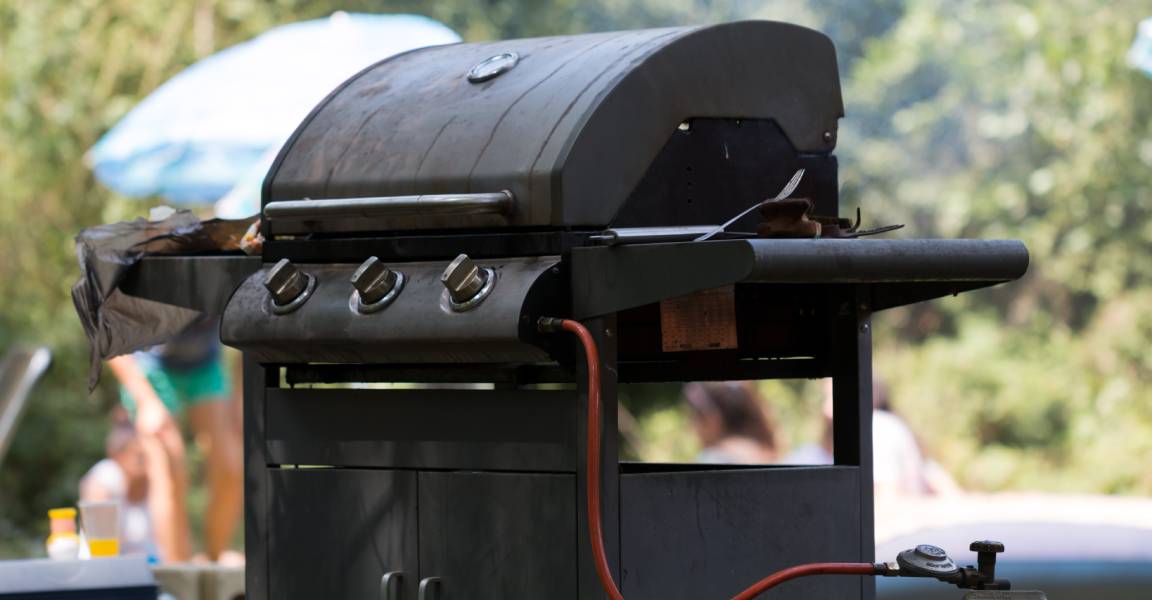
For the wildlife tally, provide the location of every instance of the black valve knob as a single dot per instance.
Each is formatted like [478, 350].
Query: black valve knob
[285, 282]
[374, 280]
[376, 285]
[467, 283]
[288, 287]
[463, 279]
[986, 546]
[986, 551]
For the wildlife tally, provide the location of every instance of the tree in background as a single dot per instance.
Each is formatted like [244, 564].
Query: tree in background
[1018, 119]
[982, 119]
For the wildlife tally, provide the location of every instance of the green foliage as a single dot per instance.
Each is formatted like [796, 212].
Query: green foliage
[1018, 119]
[981, 119]
[68, 71]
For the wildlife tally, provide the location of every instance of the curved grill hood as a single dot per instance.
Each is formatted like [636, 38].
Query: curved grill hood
[570, 130]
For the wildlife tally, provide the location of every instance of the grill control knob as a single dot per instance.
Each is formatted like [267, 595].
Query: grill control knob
[467, 284]
[288, 286]
[376, 285]
[285, 282]
[373, 280]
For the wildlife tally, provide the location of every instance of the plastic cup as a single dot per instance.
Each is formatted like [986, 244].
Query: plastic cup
[101, 522]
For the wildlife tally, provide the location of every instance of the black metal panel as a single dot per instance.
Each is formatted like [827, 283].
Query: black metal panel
[511, 374]
[498, 536]
[851, 332]
[712, 533]
[607, 279]
[334, 533]
[418, 326]
[569, 131]
[509, 430]
[256, 493]
[716, 168]
[701, 366]
[202, 283]
[615, 278]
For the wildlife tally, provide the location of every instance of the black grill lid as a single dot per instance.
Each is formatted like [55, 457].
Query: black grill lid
[569, 130]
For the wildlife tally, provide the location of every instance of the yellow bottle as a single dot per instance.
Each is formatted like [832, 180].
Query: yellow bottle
[63, 543]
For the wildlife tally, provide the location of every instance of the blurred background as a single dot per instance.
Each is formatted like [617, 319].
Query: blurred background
[998, 119]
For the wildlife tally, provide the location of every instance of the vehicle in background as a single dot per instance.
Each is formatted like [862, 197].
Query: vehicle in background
[1097, 547]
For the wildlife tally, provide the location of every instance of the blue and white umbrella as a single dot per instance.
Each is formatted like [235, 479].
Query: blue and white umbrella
[1140, 54]
[205, 130]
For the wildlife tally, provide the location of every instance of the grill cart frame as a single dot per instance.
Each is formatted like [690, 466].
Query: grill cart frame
[576, 181]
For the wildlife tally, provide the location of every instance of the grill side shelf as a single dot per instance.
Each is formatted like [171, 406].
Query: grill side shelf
[201, 283]
[899, 272]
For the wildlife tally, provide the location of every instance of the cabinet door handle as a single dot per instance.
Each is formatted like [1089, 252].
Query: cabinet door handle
[390, 585]
[429, 589]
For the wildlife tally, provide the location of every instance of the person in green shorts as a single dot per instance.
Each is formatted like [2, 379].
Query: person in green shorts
[185, 376]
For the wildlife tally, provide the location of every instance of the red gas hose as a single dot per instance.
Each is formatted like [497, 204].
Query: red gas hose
[595, 527]
[783, 575]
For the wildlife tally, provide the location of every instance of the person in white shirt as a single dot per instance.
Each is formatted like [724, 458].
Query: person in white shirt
[899, 465]
[122, 477]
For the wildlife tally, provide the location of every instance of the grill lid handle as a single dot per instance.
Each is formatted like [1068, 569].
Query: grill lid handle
[392, 206]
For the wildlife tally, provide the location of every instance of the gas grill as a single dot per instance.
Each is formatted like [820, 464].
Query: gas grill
[438, 219]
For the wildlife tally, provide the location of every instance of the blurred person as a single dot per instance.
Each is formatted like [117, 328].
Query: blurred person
[186, 376]
[899, 464]
[122, 476]
[732, 423]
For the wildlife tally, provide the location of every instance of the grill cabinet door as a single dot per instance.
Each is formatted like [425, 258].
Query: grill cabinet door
[334, 533]
[498, 536]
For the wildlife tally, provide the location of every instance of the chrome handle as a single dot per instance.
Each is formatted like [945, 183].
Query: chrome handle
[390, 585]
[392, 206]
[349, 215]
[429, 589]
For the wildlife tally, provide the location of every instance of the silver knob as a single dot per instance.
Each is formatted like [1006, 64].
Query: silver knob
[463, 279]
[374, 280]
[467, 284]
[285, 282]
[926, 561]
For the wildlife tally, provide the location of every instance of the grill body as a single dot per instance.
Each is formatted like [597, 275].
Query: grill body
[426, 447]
